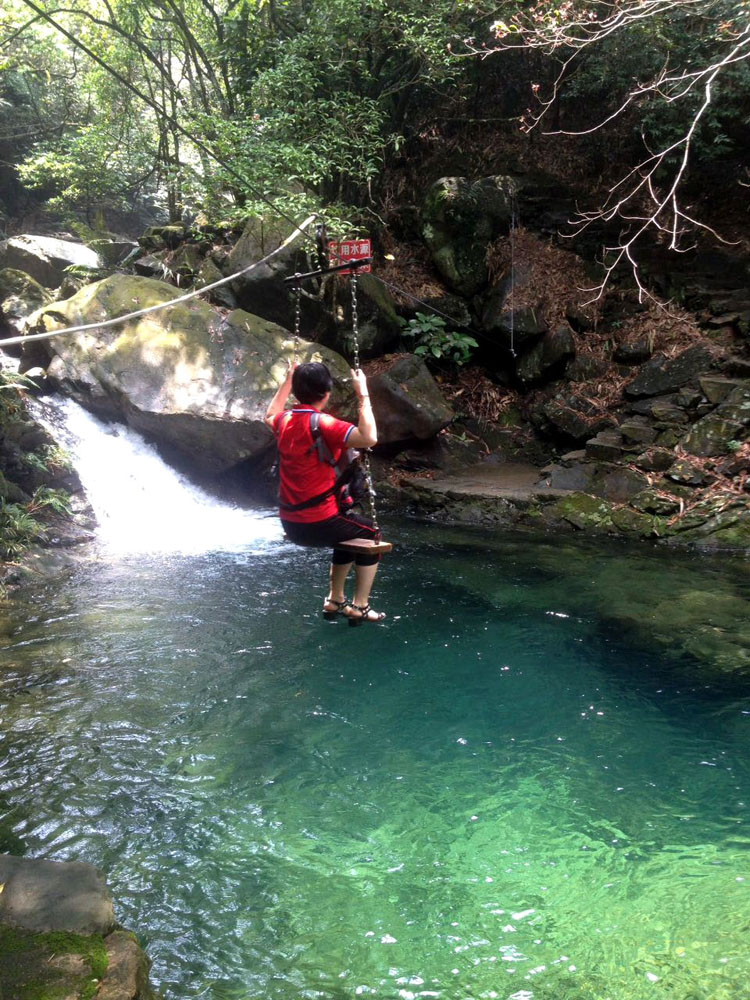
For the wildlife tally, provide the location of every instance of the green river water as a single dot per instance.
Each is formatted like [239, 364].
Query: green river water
[531, 783]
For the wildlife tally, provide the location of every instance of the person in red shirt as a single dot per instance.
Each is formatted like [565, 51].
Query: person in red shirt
[309, 507]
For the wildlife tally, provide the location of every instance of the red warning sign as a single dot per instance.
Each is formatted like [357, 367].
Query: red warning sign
[340, 253]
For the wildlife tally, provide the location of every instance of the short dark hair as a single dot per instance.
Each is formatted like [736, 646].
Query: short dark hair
[311, 382]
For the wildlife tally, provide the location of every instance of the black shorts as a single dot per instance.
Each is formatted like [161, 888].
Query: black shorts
[342, 527]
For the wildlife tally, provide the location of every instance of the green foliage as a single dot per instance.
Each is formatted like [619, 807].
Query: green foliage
[18, 530]
[97, 160]
[58, 501]
[28, 970]
[434, 341]
[87, 274]
[12, 386]
[303, 100]
[684, 38]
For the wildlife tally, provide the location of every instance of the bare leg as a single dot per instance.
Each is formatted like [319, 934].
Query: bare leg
[365, 577]
[338, 575]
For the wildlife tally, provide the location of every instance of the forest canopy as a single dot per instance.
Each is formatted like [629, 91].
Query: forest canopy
[220, 107]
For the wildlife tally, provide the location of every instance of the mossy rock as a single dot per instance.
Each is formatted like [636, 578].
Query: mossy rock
[186, 262]
[208, 274]
[651, 501]
[20, 296]
[408, 402]
[459, 219]
[728, 528]
[633, 522]
[187, 376]
[584, 512]
[712, 434]
[10, 492]
[53, 966]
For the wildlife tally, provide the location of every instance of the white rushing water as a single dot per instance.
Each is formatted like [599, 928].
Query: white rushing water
[142, 504]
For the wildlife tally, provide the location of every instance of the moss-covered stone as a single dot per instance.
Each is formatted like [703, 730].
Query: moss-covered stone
[584, 512]
[459, 220]
[208, 274]
[52, 966]
[711, 435]
[663, 375]
[651, 501]
[633, 522]
[655, 460]
[716, 528]
[734, 534]
[186, 262]
[20, 296]
[189, 377]
[10, 492]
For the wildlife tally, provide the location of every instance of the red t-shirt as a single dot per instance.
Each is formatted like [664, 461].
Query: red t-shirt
[302, 473]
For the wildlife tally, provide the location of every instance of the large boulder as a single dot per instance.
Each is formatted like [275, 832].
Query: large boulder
[460, 218]
[548, 354]
[662, 375]
[714, 434]
[195, 381]
[20, 296]
[262, 291]
[113, 252]
[378, 323]
[407, 402]
[514, 329]
[45, 258]
[43, 895]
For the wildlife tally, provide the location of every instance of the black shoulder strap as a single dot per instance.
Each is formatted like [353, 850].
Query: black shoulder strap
[342, 468]
[319, 442]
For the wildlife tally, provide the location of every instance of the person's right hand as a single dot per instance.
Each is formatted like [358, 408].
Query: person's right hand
[359, 382]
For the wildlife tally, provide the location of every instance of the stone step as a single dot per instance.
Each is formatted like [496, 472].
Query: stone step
[607, 446]
[54, 896]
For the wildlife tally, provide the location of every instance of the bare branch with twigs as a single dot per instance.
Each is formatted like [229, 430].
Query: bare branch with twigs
[647, 198]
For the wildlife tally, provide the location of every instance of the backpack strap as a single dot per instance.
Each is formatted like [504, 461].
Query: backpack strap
[324, 452]
[342, 468]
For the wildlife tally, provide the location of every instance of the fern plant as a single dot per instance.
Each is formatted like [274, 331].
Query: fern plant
[18, 529]
[57, 501]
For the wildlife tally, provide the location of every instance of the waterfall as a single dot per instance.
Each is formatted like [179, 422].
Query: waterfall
[141, 504]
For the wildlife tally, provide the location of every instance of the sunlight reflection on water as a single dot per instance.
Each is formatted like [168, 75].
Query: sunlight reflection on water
[494, 794]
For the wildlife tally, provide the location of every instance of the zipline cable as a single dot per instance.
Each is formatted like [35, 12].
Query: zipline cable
[162, 305]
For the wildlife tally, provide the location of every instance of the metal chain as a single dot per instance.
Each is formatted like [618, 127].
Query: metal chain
[513, 210]
[355, 320]
[297, 318]
[366, 451]
[370, 489]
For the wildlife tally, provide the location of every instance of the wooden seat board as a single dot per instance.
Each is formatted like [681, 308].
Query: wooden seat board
[364, 545]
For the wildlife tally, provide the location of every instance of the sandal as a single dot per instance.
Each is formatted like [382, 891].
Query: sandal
[341, 607]
[363, 614]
